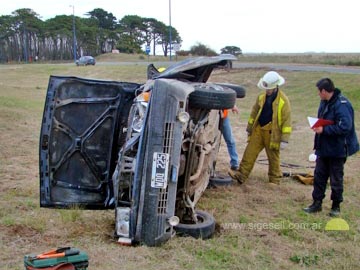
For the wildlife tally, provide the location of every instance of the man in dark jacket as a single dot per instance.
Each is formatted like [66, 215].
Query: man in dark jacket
[332, 144]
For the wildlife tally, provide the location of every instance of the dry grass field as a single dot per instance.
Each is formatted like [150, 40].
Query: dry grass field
[258, 226]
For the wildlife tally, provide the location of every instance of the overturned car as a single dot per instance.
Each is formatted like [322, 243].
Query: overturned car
[145, 150]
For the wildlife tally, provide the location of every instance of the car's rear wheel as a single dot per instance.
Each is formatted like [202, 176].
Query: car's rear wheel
[212, 97]
[239, 90]
[204, 229]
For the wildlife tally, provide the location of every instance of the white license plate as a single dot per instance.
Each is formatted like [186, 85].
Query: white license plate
[160, 167]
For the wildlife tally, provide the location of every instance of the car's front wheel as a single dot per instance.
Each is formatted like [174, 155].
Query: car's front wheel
[213, 97]
[204, 228]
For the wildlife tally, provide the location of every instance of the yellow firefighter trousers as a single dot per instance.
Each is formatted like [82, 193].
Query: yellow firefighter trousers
[260, 139]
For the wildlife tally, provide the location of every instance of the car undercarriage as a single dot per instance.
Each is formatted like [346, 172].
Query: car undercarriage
[145, 150]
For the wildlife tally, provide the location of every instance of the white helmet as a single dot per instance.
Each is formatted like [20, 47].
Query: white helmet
[270, 80]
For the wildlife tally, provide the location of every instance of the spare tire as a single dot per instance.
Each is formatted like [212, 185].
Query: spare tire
[212, 96]
[204, 229]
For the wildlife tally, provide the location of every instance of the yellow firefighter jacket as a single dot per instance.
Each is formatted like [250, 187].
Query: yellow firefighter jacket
[281, 118]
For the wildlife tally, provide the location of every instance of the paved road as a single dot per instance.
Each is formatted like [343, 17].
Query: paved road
[278, 66]
[238, 64]
[299, 67]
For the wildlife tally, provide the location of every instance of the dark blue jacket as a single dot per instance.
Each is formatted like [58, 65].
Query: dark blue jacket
[339, 139]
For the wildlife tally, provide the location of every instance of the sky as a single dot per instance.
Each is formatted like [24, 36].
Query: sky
[255, 26]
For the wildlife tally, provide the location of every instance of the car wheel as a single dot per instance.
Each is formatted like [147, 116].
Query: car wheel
[212, 97]
[204, 229]
[239, 90]
[220, 180]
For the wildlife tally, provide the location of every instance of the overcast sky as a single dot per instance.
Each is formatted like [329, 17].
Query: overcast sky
[269, 26]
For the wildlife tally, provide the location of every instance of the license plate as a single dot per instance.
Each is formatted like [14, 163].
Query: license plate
[160, 166]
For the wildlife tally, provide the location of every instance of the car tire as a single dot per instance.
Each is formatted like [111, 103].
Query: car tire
[204, 229]
[212, 97]
[220, 180]
[239, 90]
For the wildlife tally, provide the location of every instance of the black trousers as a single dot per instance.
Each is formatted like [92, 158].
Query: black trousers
[329, 167]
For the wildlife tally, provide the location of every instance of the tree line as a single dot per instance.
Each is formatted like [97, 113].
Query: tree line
[25, 37]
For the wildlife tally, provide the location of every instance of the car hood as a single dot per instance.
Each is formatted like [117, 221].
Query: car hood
[82, 128]
[194, 69]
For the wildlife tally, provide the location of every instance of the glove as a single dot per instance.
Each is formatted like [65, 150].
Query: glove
[283, 145]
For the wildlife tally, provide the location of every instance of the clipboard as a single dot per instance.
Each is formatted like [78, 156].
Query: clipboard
[319, 122]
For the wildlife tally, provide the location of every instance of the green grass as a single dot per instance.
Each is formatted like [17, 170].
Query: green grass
[269, 229]
[12, 102]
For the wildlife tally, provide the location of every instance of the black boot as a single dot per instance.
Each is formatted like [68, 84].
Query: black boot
[335, 209]
[315, 207]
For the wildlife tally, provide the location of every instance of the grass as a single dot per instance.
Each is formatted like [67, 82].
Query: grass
[258, 227]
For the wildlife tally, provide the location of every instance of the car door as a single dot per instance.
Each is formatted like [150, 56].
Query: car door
[83, 126]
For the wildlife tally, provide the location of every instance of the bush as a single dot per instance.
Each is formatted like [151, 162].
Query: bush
[183, 53]
[202, 50]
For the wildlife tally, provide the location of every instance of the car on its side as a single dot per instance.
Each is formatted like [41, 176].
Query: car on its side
[85, 61]
[145, 150]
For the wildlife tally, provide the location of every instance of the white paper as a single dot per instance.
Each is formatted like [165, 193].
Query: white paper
[312, 120]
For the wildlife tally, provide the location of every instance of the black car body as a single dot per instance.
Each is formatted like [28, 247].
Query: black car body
[145, 150]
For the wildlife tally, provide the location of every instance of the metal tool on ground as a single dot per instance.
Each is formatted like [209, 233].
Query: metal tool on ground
[304, 178]
[57, 253]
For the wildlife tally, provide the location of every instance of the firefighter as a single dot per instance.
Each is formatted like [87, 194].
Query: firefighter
[269, 127]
